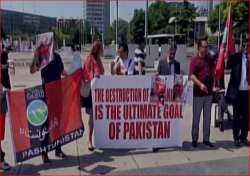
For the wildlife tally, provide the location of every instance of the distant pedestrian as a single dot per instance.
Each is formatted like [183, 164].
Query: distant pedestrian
[139, 58]
[159, 50]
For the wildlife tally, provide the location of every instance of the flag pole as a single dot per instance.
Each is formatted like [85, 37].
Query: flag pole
[219, 27]
[229, 13]
[146, 24]
[116, 25]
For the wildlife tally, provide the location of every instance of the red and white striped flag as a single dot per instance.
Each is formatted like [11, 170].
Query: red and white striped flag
[227, 47]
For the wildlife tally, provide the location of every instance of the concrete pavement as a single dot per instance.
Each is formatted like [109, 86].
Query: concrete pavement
[224, 158]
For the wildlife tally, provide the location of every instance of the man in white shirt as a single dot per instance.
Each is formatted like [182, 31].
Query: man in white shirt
[238, 94]
[122, 64]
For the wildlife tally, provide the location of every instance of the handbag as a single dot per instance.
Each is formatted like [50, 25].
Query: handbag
[85, 89]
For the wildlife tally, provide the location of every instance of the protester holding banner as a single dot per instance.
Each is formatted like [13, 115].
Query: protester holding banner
[43, 49]
[51, 72]
[201, 73]
[238, 94]
[4, 84]
[92, 68]
[169, 65]
[123, 65]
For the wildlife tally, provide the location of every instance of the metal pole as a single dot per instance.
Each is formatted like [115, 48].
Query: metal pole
[146, 24]
[175, 27]
[219, 28]
[116, 27]
[83, 11]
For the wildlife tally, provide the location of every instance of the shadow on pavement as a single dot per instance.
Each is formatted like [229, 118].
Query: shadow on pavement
[227, 145]
[80, 162]
[106, 156]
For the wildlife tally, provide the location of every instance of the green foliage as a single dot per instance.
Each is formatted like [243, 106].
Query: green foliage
[122, 31]
[240, 18]
[159, 14]
[158, 19]
[137, 25]
[60, 36]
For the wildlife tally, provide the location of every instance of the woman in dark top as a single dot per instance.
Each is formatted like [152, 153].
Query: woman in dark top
[5, 69]
[5, 81]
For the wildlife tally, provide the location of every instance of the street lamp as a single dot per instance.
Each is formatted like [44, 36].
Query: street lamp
[170, 21]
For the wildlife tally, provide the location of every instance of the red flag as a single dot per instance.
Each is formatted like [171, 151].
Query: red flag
[227, 47]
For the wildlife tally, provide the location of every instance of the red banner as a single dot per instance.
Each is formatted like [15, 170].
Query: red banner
[45, 117]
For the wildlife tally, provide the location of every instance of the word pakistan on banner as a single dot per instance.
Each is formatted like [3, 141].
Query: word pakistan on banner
[140, 111]
[45, 117]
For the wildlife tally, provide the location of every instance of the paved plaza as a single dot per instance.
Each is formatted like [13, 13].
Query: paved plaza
[224, 158]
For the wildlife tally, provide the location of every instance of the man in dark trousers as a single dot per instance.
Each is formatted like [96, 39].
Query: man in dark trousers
[169, 65]
[238, 95]
[52, 72]
[201, 73]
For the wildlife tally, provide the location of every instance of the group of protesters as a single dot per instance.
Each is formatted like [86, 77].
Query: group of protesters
[206, 87]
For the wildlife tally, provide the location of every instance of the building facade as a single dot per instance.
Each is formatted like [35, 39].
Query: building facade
[97, 13]
[14, 22]
[204, 7]
[69, 22]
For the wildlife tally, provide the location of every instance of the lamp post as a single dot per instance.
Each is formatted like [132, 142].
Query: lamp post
[116, 25]
[146, 24]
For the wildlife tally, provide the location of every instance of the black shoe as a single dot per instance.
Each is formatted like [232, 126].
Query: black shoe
[245, 142]
[236, 143]
[45, 158]
[60, 154]
[91, 149]
[2, 156]
[194, 144]
[207, 143]
[155, 150]
[229, 116]
[221, 126]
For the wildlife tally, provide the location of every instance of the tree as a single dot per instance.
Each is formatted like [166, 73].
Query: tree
[137, 25]
[158, 17]
[60, 36]
[87, 32]
[122, 32]
[185, 18]
[240, 18]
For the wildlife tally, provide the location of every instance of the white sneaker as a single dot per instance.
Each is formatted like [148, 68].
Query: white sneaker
[5, 166]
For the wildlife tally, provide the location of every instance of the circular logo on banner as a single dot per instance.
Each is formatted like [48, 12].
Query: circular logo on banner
[37, 112]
